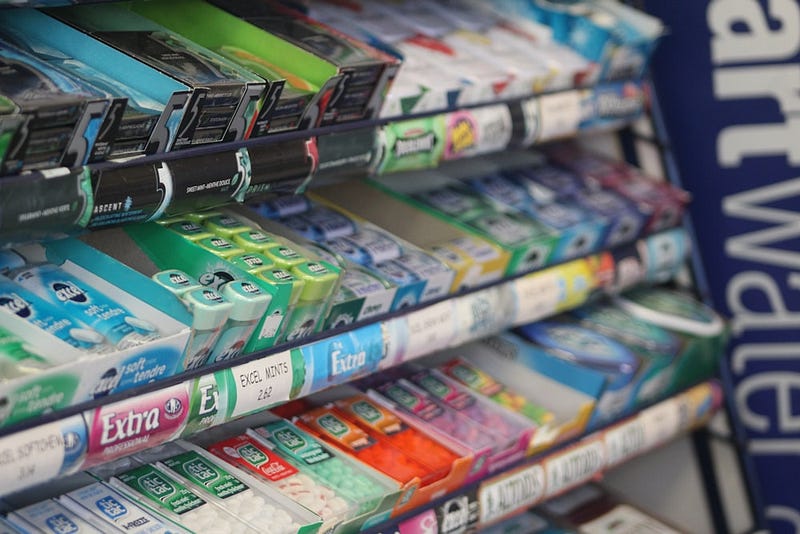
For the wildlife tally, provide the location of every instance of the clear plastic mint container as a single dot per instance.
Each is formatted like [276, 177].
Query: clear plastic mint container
[115, 510]
[248, 500]
[256, 456]
[349, 478]
[153, 487]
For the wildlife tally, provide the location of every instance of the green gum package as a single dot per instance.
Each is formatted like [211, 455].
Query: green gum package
[411, 144]
[169, 250]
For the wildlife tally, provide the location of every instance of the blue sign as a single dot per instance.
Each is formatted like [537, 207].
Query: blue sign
[728, 79]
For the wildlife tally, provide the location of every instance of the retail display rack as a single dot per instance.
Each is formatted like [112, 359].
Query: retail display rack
[41, 204]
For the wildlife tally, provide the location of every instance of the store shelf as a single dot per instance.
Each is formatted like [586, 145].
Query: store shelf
[148, 187]
[537, 478]
[40, 205]
[36, 450]
[553, 473]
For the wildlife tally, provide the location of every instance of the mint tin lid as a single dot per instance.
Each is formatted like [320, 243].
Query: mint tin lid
[583, 346]
[225, 225]
[283, 256]
[507, 229]
[161, 489]
[284, 206]
[209, 477]
[319, 280]
[672, 310]
[253, 240]
[547, 183]
[209, 309]
[452, 201]
[326, 254]
[502, 190]
[615, 322]
[220, 246]
[300, 446]
[249, 301]
[178, 282]
[50, 516]
[190, 230]
[281, 277]
[362, 282]
[201, 216]
[252, 261]
[396, 273]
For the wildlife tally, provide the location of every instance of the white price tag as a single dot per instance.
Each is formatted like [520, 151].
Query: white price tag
[538, 296]
[430, 329]
[574, 466]
[481, 314]
[511, 493]
[662, 423]
[559, 114]
[395, 332]
[625, 441]
[530, 114]
[494, 129]
[31, 456]
[262, 383]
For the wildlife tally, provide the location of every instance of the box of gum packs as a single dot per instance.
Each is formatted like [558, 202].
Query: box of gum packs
[51, 113]
[145, 107]
[292, 102]
[474, 260]
[224, 96]
[373, 257]
[365, 73]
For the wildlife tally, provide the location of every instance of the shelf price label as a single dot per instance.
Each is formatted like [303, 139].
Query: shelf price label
[531, 120]
[559, 115]
[625, 441]
[483, 313]
[262, 383]
[511, 493]
[574, 466]
[41, 453]
[538, 295]
[661, 423]
[430, 329]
